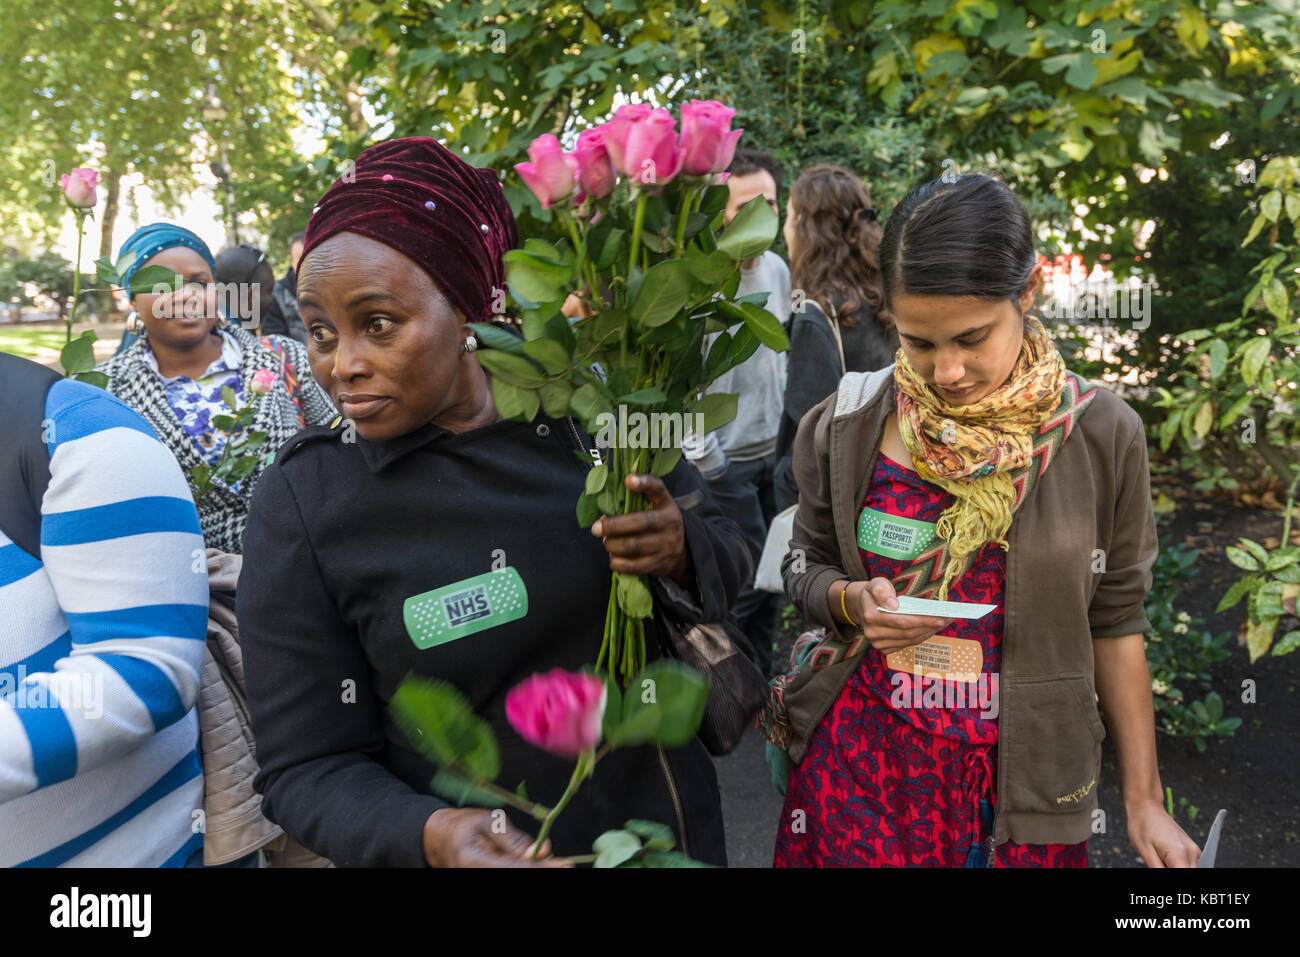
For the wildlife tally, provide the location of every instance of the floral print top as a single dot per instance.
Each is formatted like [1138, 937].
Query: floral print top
[196, 401]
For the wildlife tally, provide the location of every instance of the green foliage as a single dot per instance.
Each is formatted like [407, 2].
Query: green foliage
[49, 273]
[641, 844]
[442, 726]
[1180, 653]
[239, 455]
[663, 704]
[1234, 398]
[130, 79]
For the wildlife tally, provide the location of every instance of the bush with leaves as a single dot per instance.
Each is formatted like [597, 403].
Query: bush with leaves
[1180, 653]
[1237, 392]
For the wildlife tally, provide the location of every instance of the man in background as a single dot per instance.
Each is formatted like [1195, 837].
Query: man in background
[736, 461]
[286, 291]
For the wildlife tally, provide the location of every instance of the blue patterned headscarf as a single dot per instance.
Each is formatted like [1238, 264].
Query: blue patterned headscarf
[148, 241]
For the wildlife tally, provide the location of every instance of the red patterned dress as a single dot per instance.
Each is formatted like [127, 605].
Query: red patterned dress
[901, 774]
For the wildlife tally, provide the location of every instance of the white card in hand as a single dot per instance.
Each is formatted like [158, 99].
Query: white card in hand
[939, 609]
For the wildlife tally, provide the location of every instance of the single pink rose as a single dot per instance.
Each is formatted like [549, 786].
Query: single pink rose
[263, 381]
[614, 133]
[560, 711]
[708, 142]
[596, 175]
[79, 187]
[551, 174]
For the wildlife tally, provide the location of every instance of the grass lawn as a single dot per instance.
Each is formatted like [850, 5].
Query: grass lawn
[22, 341]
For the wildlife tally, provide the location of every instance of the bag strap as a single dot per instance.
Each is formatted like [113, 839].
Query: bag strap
[290, 374]
[834, 321]
[24, 455]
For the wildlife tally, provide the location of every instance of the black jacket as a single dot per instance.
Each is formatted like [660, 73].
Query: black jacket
[283, 318]
[341, 533]
[813, 373]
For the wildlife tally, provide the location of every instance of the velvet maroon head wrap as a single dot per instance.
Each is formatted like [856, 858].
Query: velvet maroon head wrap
[423, 200]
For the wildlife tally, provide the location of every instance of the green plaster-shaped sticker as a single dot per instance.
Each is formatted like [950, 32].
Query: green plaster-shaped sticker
[892, 535]
[465, 607]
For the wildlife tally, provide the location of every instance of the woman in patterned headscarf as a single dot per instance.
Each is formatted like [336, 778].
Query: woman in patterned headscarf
[424, 534]
[173, 375]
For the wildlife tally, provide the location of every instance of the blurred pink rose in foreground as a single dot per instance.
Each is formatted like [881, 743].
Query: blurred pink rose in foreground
[79, 187]
[550, 175]
[559, 711]
[708, 142]
[263, 381]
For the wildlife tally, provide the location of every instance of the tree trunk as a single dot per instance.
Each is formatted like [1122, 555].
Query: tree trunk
[104, 300]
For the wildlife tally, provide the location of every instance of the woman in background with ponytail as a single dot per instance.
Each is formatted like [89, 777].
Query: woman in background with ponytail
[839, 323]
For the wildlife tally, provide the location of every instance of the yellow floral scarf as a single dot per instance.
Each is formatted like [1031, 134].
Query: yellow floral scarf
[971, 451]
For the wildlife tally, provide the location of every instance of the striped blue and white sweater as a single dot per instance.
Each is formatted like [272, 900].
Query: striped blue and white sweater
[101, 650]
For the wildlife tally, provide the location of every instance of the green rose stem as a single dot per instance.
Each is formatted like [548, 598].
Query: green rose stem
[687, 208]
[531, 808]
[76, 276]
[580, 250]
[581, 771]
[637, 223]
[1290, 503]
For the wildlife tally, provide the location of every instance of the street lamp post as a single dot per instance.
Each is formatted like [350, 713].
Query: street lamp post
[214, 111]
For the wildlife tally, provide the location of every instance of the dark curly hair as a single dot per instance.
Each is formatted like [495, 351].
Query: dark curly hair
[836, 254]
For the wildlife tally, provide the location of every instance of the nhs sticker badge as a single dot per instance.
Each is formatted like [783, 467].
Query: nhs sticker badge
[465, 607]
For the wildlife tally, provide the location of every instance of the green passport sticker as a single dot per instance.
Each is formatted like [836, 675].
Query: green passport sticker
[892, 535]
[465, 607]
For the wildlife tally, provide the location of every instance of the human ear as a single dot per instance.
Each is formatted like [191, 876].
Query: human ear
[1030, 291]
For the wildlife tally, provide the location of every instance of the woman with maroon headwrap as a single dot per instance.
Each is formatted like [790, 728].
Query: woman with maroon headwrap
[422, 488]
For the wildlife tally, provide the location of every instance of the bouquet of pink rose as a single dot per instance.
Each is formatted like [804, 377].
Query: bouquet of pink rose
[655, 273]
[567, 714]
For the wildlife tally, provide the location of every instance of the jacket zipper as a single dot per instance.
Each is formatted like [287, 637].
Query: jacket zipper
[1008, 620]
[677, 804]
[592, 454]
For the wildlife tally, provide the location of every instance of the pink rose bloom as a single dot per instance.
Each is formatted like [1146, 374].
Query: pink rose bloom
[614, 133]
[708, 142]
[596, 176]
[644, 143]
[559, 711]
[263, 382]
[550, 175]
[79, 187]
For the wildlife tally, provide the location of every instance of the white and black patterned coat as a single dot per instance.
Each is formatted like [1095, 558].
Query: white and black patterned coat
[222, 512]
